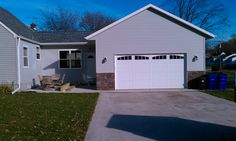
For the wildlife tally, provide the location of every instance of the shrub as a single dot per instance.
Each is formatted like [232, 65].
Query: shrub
[215, 67]
[5, 89]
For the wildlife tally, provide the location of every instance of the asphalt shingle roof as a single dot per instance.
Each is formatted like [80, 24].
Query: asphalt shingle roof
[15, 24]
[55, 37]
[21, 29]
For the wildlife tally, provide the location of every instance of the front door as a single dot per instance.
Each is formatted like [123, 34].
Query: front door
[91, 67]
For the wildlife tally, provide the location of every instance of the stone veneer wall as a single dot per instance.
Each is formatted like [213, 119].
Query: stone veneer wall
[105, 81]
[195, 74]
[193, 82]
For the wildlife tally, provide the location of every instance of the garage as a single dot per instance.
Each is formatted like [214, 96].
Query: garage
[149, 71]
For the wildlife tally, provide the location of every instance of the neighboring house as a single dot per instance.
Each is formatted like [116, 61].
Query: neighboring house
[147, 49]
[229, 61]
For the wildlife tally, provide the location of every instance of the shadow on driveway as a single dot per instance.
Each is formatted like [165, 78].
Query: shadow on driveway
[172, 128]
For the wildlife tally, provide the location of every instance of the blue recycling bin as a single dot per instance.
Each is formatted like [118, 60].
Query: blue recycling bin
[222, 81]
[212, 78]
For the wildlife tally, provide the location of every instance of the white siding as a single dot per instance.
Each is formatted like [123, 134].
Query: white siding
[8, 59]
[30, 73]
[148, 33]
[49, 63]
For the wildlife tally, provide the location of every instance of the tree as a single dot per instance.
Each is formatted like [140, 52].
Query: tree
[60, 20]
[93, 21]
[233, 36]
[207, 14]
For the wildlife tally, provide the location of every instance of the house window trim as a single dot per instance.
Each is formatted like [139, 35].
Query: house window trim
[38, 53]
[23, 56]
[70, 50]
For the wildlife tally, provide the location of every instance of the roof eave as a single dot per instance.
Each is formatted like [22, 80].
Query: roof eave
[63, 43]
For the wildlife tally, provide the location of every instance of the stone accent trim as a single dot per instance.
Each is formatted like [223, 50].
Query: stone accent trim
[105, 81]
[195, 74]
[193, 81]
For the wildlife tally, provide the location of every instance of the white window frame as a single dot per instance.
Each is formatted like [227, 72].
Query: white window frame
[38, 52]
[23, 56]
[70, 50]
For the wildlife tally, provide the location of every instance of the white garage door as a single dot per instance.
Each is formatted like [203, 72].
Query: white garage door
[149, 71]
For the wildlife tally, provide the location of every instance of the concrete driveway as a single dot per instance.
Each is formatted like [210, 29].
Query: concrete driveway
[181, 115]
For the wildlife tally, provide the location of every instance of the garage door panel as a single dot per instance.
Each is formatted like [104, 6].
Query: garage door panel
[149, 71]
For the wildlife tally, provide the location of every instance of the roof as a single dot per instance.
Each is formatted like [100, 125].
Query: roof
[157, 9]
[17, 27]
[61, 37]
[15, 24]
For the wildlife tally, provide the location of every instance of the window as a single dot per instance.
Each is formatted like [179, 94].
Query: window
[25, 57]
[70, 59]
[125, 58]
[37, 53]
[141, 58]
[176, 57]
[160, 57]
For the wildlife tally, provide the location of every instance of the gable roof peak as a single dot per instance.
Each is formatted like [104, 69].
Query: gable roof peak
[203, 31]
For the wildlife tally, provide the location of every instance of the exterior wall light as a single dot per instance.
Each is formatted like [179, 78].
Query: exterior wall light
[104, 60]
[195, 58]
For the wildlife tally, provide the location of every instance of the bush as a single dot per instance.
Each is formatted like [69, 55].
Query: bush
[5, 89]
[215, 67]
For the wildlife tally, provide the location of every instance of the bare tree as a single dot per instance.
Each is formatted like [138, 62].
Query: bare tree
[207, 14]
[93, 21]
[60, 20]
[233, 36]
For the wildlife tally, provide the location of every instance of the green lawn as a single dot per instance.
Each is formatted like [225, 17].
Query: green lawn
[45, 117]
[226, 94]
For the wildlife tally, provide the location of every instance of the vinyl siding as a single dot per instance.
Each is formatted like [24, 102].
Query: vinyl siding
[32, 72]
[8, 58]
[148, 33]
[50, 63]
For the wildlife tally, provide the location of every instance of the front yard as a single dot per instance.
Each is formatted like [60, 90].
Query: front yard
[229, 92]
[226, 94]
[49, 117]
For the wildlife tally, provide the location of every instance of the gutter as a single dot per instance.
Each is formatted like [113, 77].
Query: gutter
[29, 40]
[65, 43]
[18, 66]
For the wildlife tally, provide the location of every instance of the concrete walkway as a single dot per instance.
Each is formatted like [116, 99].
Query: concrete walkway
[162, 115]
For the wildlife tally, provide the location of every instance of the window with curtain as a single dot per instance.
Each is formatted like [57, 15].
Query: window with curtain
[70, 59]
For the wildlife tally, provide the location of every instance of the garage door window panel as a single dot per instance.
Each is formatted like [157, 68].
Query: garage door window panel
[159, 57]
[125, 58]
[141, 58]
[176, 57]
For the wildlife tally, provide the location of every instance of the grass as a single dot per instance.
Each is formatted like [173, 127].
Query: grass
[225, 94]
[49, 117]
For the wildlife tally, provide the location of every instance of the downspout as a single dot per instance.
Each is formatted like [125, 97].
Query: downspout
[18, 65]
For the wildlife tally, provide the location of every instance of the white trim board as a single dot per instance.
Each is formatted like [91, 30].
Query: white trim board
[8, 29]
[28, 56]
[157, 9]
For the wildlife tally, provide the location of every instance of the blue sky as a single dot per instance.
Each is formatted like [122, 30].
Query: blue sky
[29, 11]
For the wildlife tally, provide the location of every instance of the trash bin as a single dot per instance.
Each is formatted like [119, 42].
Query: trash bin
[212, 78]
[202, 82]
[222, 81]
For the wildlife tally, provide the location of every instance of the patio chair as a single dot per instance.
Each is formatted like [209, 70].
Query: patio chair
[40, 79]
[60, 81]
[46, 82]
